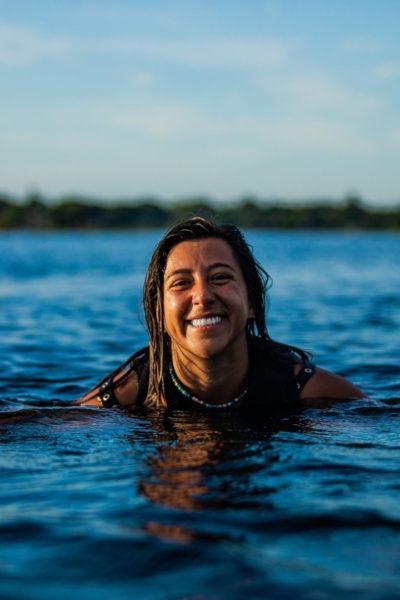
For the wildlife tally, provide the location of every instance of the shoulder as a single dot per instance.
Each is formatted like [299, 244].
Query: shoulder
[305, 381]
[118, 390]
[326, 385]
[121, 387]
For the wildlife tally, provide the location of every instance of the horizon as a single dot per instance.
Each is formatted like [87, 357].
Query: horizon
[34, 196]
[185, 99]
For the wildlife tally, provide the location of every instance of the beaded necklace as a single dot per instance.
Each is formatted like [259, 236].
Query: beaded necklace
[190, 396]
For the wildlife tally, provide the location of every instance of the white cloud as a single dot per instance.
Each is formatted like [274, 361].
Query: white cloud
[203, 53]
[172, 122]
[142, 79]
[133, 152]
[322, 135]
[21, 46]
[387, 71]
[240, 53]
[318, 92]
[160, 120]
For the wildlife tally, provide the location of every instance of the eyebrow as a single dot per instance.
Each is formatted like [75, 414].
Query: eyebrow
[209, 268]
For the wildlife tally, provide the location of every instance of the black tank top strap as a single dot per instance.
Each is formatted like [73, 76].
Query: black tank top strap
[138, 363]
[107, 394]
[306, 372]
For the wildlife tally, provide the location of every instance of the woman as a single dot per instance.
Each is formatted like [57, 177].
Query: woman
[209, 348]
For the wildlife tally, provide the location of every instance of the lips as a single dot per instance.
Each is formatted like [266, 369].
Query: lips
[206, 321]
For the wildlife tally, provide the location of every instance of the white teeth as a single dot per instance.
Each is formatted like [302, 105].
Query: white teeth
[205, 322]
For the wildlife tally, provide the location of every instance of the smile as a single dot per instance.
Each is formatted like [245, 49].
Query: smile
[205, 322]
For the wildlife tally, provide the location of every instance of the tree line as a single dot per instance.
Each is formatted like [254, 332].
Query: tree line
[76, 212]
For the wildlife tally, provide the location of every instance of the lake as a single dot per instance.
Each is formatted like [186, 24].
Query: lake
[102, 504]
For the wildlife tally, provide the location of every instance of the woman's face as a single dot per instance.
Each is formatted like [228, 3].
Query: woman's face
[206, 304]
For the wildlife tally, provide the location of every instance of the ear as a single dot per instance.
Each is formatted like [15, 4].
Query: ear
[252, 312]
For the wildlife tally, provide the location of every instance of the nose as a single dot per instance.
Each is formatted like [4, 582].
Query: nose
[203, 293]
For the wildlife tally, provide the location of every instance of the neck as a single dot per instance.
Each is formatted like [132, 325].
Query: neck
[218, 379]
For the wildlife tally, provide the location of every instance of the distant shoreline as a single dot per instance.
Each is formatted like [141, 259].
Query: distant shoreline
[75, 213]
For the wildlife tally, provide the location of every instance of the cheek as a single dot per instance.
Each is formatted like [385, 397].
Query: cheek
[171, 311]
[171, 304]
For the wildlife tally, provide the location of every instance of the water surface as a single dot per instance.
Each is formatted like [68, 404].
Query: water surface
[106, 504]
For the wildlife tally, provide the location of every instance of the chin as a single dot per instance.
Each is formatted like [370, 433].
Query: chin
[206, 352]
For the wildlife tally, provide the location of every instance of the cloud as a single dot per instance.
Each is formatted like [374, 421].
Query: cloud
[173, 122]
[231, 54]
[387, 71]
[322, 135]
[318, 92]
[21, 46]
[142, 79]
[161, 120]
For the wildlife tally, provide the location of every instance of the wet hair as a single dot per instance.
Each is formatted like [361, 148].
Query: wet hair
[256, 279]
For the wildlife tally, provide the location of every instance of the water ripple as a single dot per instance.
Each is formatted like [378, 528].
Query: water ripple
[112, 504]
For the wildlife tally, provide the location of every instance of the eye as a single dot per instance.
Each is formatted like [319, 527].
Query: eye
[221, 277]
[180, 283]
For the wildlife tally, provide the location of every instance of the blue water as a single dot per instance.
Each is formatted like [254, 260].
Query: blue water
[104, 504]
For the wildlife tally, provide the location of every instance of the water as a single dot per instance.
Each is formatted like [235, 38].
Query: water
[102, 504]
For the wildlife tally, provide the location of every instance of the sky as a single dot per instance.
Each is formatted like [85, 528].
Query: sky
[289, 99]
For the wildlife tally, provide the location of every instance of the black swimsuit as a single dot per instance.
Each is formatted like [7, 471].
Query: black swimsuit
[272, 384]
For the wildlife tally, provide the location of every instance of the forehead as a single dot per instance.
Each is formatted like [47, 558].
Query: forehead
[200, 253]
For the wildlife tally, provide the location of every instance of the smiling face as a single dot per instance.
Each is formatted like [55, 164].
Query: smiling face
[206, 305]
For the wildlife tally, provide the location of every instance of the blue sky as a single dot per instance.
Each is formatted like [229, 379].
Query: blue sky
[294, 99]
